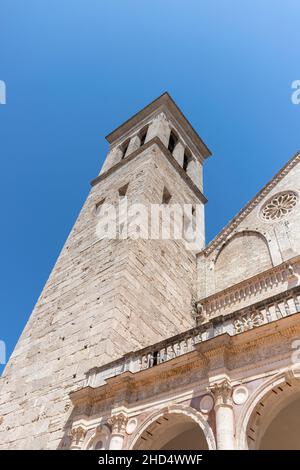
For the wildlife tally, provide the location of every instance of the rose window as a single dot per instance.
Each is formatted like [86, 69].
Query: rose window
[279, 206]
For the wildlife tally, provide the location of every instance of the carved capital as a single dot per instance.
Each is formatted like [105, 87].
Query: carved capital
[222, 393]
[118, 423]
[292, 274]
[246, 322]
[77, 435]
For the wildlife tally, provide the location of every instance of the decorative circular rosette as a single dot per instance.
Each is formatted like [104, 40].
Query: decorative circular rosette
[279, 206]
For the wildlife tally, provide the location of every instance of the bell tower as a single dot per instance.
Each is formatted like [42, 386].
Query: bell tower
[108, 296]
[156, 157]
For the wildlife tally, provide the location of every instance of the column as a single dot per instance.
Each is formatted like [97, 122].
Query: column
[159, 127]
[118, 424]
[134, 144]
[113, 157]
[194, 171]
[222, 393]
[178, 153]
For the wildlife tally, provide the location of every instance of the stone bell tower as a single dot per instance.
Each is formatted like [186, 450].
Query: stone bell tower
[106, 297]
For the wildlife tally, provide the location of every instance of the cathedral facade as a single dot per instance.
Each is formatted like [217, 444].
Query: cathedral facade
[153, 342]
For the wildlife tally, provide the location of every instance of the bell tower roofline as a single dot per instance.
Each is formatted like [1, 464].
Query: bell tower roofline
[167, 105]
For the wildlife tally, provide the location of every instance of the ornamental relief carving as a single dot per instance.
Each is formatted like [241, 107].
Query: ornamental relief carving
[77, 435]
[249, 321]
[279, 206]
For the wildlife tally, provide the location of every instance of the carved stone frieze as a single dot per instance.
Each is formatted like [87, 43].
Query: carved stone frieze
[248, 321]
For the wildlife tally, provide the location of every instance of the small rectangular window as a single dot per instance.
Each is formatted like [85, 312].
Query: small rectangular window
[123, 190]
[166, 196]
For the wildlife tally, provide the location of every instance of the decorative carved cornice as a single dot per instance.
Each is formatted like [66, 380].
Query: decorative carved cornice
[156, 140]
[248, 321]
[164, 103]
[199, 349]
[263, 344]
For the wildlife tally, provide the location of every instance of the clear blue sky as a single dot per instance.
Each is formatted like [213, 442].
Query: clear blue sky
[76, 69]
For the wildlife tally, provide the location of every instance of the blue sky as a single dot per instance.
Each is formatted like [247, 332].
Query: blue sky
[76, 69]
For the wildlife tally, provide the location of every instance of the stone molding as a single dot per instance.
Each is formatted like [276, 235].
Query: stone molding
[156, 140]
[240, 322]
[164, 103]
[209, 358]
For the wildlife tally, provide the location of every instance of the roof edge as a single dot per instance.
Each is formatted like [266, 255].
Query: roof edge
[167, 100]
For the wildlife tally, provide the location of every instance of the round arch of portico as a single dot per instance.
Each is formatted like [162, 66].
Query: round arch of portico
[263, 396]
[187, 411]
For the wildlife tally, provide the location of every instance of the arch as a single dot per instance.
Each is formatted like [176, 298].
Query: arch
[265, 404]
[282, 432]
[244, 255]
[187, 412]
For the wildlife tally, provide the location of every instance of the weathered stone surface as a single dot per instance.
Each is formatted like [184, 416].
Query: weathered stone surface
[98, 365]
[103, 298]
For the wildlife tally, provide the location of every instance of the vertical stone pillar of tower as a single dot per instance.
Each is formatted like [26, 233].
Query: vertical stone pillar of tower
[134, 144]
[222, 393]
[178, 153]
[118, 424]
[194, 171]
[160, 128]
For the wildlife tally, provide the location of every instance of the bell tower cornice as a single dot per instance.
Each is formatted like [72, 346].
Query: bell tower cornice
[166, 105]
[159, 122]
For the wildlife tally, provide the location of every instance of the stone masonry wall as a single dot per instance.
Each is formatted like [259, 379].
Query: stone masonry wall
[281, 237]
[102, 299]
